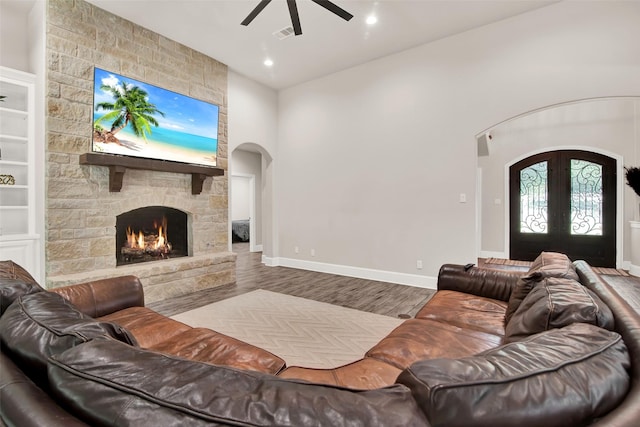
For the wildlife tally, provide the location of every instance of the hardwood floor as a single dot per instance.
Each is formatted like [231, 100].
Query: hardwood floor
[367, 295]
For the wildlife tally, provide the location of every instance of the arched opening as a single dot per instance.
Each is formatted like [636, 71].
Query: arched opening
[250, 195]
[606, 126]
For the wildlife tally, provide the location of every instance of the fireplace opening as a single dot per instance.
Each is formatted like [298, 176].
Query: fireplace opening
[149, 234]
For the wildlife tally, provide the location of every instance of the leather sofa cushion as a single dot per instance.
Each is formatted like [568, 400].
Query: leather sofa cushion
[555, 303]
[206, 345]
[466, 311]
[39, 325]
[24, 404]
[12, 288]
[363, 374]
[563, 377]
[102, 297]
[109, 383]
[417, 339]
[149, 327]
[11, 270]
[15, 281]
[547, 264]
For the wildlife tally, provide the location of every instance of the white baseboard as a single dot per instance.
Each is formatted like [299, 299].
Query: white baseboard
[257, 248]
[416, 280]
[268, 261]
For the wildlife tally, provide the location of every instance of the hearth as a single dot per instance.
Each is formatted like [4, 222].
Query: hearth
[151, 233]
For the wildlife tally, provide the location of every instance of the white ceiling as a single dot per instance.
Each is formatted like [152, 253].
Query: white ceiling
[328, 43]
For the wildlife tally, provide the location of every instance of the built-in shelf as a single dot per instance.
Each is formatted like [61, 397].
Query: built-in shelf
[119, 164]
[19, 217]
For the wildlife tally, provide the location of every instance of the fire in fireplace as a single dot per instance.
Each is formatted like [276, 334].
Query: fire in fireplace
[149, 234]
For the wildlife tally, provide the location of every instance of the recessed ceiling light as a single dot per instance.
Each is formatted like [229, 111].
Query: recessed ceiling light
[267, 62]
[371, 19]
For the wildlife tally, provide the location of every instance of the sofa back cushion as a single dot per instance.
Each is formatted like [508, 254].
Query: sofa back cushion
[39, 325]
[11, 270]
[14, 281]
[562, 377]
[110, 383]
[555, 303]
[12, 288]
[547, 264]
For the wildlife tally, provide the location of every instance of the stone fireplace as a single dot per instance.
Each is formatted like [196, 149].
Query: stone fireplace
[88, 239]
[82, 203]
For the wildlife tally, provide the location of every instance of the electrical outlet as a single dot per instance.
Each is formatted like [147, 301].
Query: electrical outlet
[296, 250]
[313, 252]
[463, 198]
[419, 264]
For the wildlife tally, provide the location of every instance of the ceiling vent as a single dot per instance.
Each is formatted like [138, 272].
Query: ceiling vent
[284, 33]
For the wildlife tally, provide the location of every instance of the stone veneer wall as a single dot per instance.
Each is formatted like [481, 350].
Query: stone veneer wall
[80, 210]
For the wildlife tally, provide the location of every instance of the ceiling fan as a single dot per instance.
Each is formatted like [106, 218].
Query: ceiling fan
[293, 11]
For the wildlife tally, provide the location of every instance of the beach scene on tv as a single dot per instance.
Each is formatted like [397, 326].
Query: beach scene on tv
[133, 118]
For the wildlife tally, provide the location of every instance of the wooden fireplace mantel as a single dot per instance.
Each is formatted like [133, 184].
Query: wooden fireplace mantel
[119, 164]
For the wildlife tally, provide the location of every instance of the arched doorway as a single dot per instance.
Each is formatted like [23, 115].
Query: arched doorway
[564, 201]
[599, 125]
[251, 177]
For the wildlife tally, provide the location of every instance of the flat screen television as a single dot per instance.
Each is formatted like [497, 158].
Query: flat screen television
[133, 118]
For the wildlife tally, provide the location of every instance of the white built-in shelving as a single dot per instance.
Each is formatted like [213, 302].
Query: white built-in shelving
[19, 240]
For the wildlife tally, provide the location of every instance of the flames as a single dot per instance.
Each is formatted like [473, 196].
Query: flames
[153, 242]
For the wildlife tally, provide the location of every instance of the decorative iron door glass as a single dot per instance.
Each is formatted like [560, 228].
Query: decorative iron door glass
[564, 201]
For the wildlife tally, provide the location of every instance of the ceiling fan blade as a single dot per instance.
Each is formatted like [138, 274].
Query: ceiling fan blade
[251, 16]
[295, 18]
[334, 8]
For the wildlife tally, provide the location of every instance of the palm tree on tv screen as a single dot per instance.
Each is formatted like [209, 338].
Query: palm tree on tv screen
[131, 106]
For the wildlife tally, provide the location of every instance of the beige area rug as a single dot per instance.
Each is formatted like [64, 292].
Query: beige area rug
[301, 331]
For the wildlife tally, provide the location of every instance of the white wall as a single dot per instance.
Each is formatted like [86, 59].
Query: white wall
[14, 40]
[36, 29]
[240, 200]
[253, 112]
[373, 160]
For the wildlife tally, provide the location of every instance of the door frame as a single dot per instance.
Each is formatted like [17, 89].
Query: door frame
[619, 194]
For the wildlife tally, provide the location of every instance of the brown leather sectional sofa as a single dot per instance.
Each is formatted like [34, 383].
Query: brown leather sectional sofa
[554, 346]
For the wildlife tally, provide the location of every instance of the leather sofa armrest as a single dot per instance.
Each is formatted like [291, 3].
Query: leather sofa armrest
[484, 282]
[627, 324]
[101, 297]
